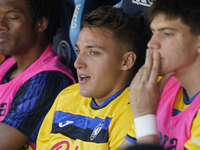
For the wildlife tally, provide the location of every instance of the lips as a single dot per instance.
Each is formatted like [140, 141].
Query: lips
[83, 78]
[3, 38]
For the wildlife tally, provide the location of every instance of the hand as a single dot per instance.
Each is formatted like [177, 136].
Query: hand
[145, 91]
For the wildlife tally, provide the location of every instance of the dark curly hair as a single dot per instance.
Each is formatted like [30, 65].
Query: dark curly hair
[47, 9]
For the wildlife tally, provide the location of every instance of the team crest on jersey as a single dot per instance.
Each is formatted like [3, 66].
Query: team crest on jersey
[147, 3]
[96, 130]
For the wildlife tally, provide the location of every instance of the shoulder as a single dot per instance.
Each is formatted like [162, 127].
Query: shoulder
[194, 141]
[49, 77]
[121, 104]
[45, 82]
[72, 89]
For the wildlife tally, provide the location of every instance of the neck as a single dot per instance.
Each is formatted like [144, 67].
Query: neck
[122, 82]
[27, 57]
[188, 77]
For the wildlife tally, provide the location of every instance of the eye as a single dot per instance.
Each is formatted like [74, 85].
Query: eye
[167, 34]
[77, 51]
[13, 18]
[94, 53]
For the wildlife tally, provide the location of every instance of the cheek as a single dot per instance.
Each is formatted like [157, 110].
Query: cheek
[174, 49]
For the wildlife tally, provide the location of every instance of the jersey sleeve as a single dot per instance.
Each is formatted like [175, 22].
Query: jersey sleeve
[194, 141]
[131, 136]
[33, 100]
[120, 126]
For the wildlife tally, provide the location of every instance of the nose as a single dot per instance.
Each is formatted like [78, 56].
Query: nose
[3, 24]
[80, 61]
[154, 42]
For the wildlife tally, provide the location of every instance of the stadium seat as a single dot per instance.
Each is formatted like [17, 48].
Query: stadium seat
[61, 43]
[81, 8]
[137, 8]
[119, 4]
[71, 14]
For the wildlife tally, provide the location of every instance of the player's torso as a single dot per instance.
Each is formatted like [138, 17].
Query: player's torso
[80, 127]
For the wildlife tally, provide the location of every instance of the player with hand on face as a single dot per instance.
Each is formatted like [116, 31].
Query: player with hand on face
[167, 112]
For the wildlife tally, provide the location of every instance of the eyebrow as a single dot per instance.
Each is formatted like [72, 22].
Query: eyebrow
[92, 46]
[164, 28]
[13, 11]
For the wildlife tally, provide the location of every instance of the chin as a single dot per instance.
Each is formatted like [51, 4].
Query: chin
[85, 93]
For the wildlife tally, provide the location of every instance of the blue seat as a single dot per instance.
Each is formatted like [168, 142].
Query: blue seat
[137, 8]
[81, 8]
[71, 14]
[61, 43]
[119, 4]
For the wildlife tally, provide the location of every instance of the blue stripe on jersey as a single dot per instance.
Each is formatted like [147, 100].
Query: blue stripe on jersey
[176, 112]
[106, 102]
[81, 121]
[185, 98]
[81, 127]
[187, 102]
[131, 139]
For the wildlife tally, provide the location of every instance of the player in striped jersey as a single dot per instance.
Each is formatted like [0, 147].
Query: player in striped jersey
[169, 115]
[33, 75]
[94, 114]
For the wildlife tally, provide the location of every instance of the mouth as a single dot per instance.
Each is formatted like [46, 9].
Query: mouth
[3, 39]
[83, 78]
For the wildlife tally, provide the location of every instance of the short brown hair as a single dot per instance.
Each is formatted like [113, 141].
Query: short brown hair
[129, 33]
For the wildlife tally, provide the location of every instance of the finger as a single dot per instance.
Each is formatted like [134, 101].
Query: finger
[148, 65]
[137, 76]
[155, 68]
[163, 81]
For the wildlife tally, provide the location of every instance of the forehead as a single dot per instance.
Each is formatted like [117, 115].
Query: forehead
[18, 5]
[100, 36]
[161, 21]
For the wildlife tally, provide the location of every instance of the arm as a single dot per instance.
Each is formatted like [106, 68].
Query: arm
[125, 144]
[11, 138]
[29, 106]
[145, 94]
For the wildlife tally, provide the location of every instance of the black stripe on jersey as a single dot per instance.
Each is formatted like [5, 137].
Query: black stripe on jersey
[74, 133]
[132, 138]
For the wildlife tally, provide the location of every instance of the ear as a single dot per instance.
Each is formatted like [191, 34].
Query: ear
[129, 59]
[198, 48]
[42, 24]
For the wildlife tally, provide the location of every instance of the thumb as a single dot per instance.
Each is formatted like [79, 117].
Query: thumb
[163, 81]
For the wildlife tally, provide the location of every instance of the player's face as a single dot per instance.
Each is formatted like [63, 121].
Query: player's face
[16, 28]
[177, 46]
[98, 64]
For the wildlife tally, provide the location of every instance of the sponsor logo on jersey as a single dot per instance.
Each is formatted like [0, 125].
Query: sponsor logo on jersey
[147, 3]
[96, 131]
[61, 125]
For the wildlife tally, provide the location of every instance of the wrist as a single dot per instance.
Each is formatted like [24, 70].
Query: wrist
[145, 125]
